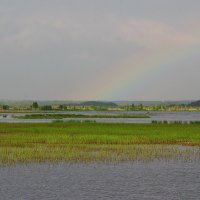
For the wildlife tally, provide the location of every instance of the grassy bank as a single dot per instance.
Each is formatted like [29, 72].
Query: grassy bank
[85, 142]
[62, 116]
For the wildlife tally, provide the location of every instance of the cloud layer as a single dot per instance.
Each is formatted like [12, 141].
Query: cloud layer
[71, 50]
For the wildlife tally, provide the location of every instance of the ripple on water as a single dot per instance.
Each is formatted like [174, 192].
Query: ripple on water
[134, 180]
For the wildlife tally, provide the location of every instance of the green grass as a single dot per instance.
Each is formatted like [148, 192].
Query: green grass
[88, 142]
[62, 116]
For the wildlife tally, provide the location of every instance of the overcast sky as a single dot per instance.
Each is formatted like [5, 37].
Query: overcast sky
[100, 49]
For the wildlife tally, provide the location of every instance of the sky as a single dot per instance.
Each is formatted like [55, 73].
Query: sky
[100, 49]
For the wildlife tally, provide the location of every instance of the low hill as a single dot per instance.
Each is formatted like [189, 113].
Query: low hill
[153, 103]
[195, 104]
[56, 102]
[98, 103]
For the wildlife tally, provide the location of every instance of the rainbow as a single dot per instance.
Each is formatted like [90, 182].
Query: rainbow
[136, 69]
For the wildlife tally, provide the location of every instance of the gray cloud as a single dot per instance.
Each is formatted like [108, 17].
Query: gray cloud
[64, 49]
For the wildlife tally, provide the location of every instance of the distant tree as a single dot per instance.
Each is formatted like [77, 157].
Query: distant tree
[46, 107]
[5, 107]
[61, 107]
[35, 105]
[132, 107]
[140, 107]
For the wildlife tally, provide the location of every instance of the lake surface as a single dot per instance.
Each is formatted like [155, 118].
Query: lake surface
[172, 180]
[154, 115]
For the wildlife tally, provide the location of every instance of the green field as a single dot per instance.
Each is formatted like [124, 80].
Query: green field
[99, 142]
[62, 116]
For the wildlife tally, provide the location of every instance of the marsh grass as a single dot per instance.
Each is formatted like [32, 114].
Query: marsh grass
[96, 142]
[62, 116]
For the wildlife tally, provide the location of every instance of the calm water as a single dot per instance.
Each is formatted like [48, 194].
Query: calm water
[138, 180]
[159, 116]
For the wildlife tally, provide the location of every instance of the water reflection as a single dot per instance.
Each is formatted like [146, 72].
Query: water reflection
[184, 116]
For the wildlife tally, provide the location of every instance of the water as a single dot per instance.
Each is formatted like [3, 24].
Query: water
[172, 180]
[184, 116]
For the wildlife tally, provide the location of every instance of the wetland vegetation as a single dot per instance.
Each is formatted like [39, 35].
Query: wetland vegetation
[100, 142]
[62, 116]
